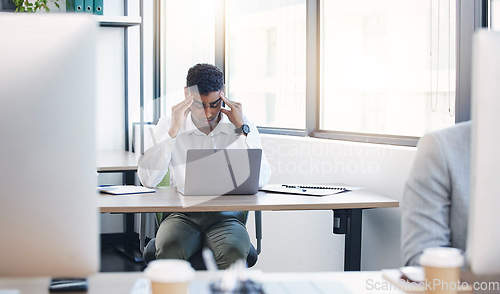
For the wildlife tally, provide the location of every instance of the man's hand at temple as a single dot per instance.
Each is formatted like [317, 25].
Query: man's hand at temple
[234, 113]
[179, 115]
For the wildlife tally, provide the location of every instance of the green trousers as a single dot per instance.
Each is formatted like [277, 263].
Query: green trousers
[181, 235]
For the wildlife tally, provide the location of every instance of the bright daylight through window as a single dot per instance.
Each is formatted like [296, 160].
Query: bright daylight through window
[185, 42]
[387, 67]
[265, 60]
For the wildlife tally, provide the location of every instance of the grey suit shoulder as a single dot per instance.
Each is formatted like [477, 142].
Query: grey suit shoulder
[436, 196]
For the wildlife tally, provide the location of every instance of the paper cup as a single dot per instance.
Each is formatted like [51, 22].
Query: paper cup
[442, 270]
[170, 276]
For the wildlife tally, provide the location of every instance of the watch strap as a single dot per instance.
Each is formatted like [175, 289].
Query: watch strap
[244, 129]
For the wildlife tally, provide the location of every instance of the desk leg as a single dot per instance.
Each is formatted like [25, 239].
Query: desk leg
[348, 222]
[128, 225]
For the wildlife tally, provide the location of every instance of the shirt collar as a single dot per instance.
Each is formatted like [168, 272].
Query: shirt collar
[189, 126]
[224, 126]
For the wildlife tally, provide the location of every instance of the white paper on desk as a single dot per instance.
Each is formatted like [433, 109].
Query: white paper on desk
[415, 273]
[124, 190]
[394, 277]
[309, 190]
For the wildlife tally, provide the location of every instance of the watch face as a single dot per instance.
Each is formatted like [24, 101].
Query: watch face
[246, 129]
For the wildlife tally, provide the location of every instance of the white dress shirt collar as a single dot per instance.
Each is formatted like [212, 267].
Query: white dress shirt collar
[224, 126]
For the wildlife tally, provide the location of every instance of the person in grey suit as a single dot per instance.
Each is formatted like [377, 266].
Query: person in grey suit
[435, 202]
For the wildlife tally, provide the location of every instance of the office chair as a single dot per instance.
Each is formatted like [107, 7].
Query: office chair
[149, 252]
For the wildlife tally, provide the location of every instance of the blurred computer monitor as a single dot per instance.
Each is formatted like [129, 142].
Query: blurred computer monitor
[48, 201]
[483, 254]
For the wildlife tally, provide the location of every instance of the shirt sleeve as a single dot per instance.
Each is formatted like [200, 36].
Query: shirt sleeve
[252, 141]
[426, 202]
[154, 163]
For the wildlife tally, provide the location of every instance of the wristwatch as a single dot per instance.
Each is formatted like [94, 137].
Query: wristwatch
[245, 129]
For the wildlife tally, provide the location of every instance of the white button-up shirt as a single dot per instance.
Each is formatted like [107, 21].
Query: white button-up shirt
[167, 152]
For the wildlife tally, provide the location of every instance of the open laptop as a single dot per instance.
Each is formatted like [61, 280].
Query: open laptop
[212, 172]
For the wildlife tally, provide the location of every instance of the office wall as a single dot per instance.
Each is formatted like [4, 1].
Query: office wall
[303, 240]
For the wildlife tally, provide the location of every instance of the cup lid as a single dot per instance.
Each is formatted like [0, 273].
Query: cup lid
[442, 257]
[169, 270]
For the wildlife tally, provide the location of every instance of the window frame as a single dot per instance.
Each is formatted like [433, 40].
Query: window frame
[471, 15]
[467, 23]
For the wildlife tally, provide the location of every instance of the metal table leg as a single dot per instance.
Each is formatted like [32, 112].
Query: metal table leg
[348, 222]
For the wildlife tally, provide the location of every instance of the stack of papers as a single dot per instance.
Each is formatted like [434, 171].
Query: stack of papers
[411, 279]
[123, 190]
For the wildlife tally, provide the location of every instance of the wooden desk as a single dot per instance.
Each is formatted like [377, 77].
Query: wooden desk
[115, 161]
[170, 200]
[119, 283]
[347, 209]
[369, 282]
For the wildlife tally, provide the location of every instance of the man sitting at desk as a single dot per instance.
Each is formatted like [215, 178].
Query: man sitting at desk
[200, 122]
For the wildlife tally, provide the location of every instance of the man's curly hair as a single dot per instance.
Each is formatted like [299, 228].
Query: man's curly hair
[207, 77]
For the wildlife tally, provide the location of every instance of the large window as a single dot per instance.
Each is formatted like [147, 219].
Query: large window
[384, 71]
[387, 67]
[187, 37]
[265, 60]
